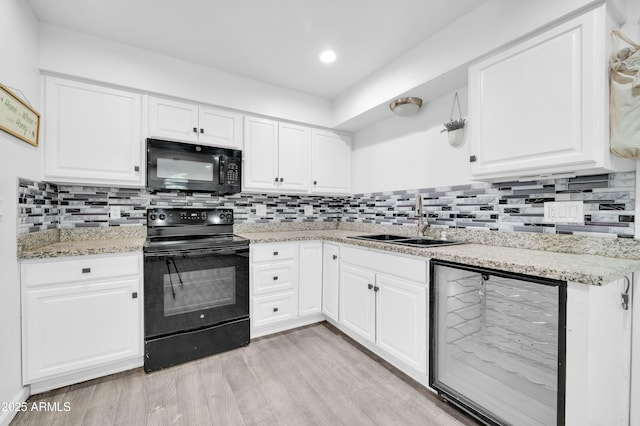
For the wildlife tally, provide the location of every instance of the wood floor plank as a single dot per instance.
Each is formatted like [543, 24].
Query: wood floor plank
[310, 376]
[219, 397]
[251, 402]
[286, 361]
[190, 396]
[283, 405]
[133, 402]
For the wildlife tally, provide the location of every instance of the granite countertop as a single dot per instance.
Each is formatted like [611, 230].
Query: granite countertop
[85, 247]
[582, 268]
[80, 242]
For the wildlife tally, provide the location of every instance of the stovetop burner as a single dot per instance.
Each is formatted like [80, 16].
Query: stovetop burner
[187, 229]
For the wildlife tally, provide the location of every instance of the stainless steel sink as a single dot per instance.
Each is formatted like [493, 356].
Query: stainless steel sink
[426, 242]
[407, 241]
[380, 237]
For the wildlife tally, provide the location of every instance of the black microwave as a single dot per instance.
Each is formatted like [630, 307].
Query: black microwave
[190, 167]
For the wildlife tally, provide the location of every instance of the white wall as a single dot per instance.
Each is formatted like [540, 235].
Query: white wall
[402, 153]
[78, 54]
[490, 26]
[18, 50]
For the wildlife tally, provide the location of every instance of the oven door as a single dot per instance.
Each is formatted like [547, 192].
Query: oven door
[195, 289]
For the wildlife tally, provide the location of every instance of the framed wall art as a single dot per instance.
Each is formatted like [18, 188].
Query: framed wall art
[18, 118]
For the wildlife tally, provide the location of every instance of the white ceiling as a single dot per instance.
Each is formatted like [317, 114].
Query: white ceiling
[273, 41]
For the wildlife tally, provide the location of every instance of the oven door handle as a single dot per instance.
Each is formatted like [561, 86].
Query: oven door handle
[222, 251]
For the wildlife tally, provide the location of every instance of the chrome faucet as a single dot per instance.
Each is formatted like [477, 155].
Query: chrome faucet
[422, 227]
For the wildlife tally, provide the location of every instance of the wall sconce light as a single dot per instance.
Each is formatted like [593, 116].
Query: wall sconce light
[404, 107]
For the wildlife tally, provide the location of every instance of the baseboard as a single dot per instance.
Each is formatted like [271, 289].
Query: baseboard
[83, 376]
[418, 376]
[7, 416]
[287, 325]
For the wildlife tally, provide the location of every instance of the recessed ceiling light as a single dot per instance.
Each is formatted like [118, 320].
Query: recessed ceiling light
[328, 56]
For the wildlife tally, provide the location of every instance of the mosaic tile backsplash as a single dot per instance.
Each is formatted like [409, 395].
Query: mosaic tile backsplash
[37, 206]
[609, 206]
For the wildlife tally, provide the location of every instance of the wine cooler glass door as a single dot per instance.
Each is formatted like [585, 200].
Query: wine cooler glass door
[497, 344]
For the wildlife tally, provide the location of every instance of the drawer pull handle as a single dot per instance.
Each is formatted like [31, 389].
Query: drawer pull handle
[335, 257]
[369, 286]
[275, 278]
[275, 309]
[376, 288]
[275, 253]
[86, 270]
[134, 295]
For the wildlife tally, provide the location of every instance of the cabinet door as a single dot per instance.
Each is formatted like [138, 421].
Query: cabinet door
[93, 134]
[537, 107]
[220, 128]
[260, 154]
[401, 320]
[170, 119]
[357, 301]
[330, 281]
[293, 157]
[331, 162]
[67, 328]
[310, 282]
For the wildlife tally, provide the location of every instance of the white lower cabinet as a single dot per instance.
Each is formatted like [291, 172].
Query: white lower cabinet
[599, 365]
[310, 291]
[286, 286]
[401, 320]
[330, 280]
[80, 315]
[357, 300]
[383, 301]
[635, 355]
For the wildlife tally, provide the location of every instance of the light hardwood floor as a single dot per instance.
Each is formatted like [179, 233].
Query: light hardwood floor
[312, 375]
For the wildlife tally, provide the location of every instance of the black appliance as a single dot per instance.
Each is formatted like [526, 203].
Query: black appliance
[189, 167]
[196, 286]
[497, 343]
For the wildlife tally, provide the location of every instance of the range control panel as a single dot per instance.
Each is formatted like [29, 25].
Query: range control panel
[178, 217]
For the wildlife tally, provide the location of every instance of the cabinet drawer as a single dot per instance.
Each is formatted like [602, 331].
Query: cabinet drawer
[274, 252]
[271, 277]
[82, 268]
[275, 308]
[411, 269]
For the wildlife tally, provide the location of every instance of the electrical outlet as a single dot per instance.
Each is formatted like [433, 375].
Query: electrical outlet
[114, 212]
[261, 210]
[564, 212]
[308, 210]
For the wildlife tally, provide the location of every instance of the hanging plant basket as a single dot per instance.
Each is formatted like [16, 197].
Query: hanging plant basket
[455, 127]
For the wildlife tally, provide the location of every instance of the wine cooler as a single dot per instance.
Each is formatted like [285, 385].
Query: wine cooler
[497, 344]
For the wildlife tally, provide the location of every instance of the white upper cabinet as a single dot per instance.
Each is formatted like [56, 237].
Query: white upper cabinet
[182, 121]
[331, 162]
[276, 156]
[541, 106]
[93, 134]
[260, 171]
[293, 157]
